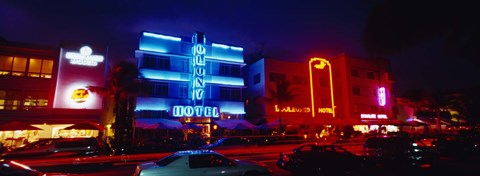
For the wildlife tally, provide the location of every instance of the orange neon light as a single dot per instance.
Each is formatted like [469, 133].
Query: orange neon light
[292, 109]
[321, 65]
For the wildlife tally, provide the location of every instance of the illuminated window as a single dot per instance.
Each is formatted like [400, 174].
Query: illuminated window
[3, 96]
[370, 75]
[355, 73]
[276, 77]
[11, 100]
[5, 65]
[256, 78]
[47, 67]
[19, 66]
[35, 99]
[356, 90]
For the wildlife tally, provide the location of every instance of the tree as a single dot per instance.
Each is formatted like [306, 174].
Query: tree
[123, 85]
[281, 95]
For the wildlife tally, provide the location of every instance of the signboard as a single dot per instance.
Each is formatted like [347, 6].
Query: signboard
[321, 88]
[79, 67]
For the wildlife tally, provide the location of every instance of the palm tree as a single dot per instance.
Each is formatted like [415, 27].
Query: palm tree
[281, 95]
[123, 86]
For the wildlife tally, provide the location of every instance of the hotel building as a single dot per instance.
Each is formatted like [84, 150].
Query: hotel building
[189, 79]
[327, 91]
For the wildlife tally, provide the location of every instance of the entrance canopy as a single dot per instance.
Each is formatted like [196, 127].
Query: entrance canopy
[16, 125]
[234, 124]
[161, 124]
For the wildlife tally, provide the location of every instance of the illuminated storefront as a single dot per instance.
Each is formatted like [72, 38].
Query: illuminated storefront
[191, 80]
[45, 87]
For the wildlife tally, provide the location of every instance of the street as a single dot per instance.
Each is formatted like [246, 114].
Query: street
[127, 166]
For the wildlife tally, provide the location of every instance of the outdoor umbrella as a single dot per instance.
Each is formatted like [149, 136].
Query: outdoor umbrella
[87, 125]
[16, 125]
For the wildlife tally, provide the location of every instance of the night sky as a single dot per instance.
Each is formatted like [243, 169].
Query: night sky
[287, 30]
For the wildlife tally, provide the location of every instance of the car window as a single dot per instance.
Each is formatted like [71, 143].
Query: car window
[38, 144]
[167, 160]
[304, 149]
[70, 144]
[208, 160]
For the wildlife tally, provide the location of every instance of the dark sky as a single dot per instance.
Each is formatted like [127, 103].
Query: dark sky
[290, 30]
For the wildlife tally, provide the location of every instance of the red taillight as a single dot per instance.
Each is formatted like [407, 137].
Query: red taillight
[285, 157]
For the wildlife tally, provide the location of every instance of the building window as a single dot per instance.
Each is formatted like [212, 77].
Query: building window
[355, 73]
[229, 93]
[6, 63]
[370, 75]
[152, 114]
[356, 91]
[276, 77]
[155, 89]
[183, 88]
[19, 66]
[297, 79]
[10, 100]
[156, 62]
[256, 78]
[35, 99]
[40, 68]
[229, 70]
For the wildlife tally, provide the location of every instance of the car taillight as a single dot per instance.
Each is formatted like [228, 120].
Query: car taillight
[368, 151]
[284, 157]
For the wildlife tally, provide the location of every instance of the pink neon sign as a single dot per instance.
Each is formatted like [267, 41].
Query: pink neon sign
[381, 96]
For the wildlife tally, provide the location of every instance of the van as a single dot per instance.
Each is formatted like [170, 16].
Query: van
[56, 147]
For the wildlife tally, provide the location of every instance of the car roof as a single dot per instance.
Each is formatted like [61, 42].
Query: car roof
[195, 152]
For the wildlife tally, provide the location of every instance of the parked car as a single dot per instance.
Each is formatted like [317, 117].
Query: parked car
[320, 159]
[56, 147]
[228, 142]
[13, 168]
[387, 150]
[200, 163]
[157, 145]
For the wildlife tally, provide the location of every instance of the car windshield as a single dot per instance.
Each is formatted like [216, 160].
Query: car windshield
[167, 160]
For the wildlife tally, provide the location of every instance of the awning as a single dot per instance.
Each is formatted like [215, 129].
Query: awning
[16, 125]
[87, 125]
[384, 122]
[234, 124]
[162, 124]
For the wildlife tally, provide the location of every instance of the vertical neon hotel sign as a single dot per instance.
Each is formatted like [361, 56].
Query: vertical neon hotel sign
[322, 65]
[198, 84]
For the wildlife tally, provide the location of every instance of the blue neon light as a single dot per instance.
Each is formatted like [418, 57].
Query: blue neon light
[160, 36]
[227, 47]
[148, 103]
[179, 76]
[231, 107]
[232, 81]
[165, 75]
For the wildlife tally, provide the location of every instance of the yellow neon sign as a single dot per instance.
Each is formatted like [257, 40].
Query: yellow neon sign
[321, 65]
[325, 110]
[292, 109]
